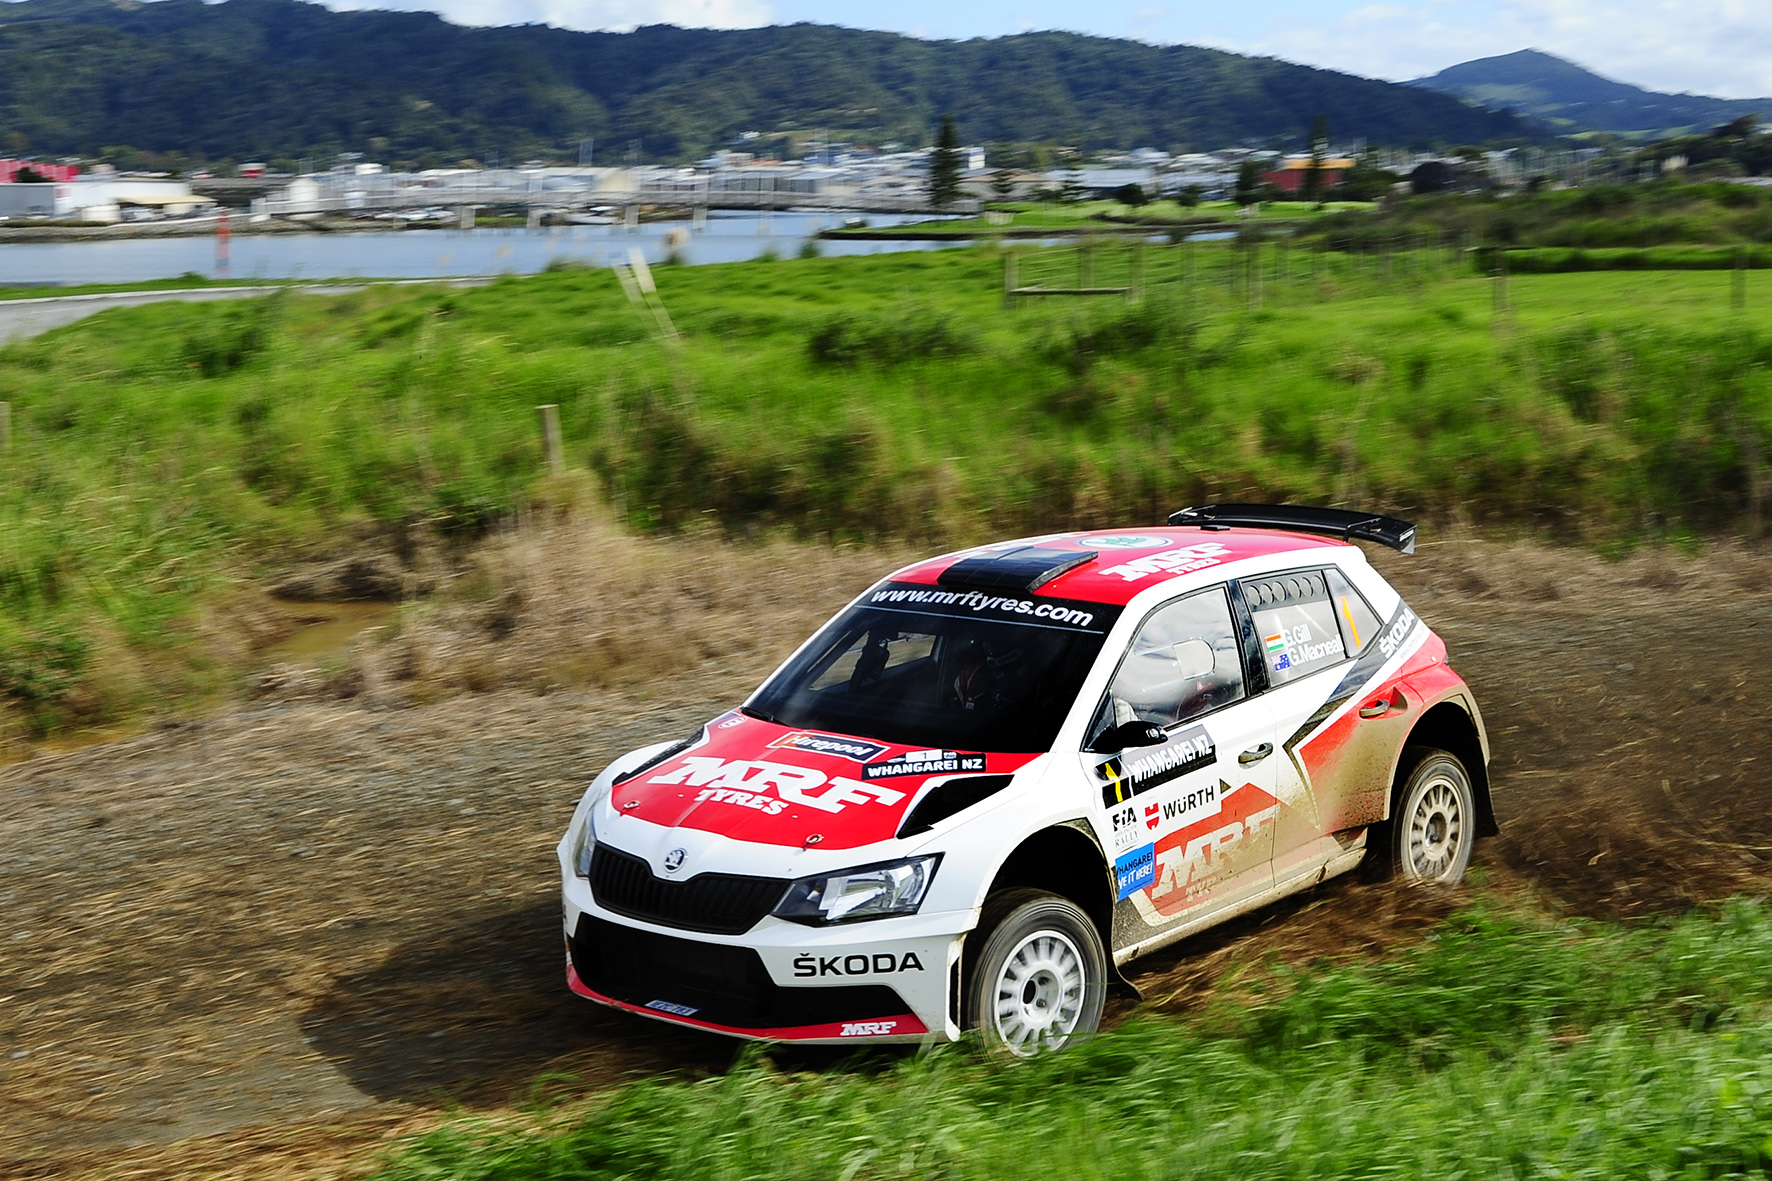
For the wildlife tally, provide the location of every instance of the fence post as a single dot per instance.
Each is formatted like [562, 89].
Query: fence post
[1739, 299]
[5, 426]
[550, 437]
[1009, 277]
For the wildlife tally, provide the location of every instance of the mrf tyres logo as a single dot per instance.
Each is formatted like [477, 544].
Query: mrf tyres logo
[1171, 561]
[1006, 606]
[867, 1028]
[880, 963]
[858, 749]
[924, 762]
[771, 787]
[1127, 775]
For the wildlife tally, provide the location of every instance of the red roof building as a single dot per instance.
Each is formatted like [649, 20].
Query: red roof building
[9, 170]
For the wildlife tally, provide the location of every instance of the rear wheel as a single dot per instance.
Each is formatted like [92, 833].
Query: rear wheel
[1040, 977]
[1434, 823]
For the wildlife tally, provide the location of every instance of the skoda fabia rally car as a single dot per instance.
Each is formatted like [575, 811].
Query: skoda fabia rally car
[1000, 774]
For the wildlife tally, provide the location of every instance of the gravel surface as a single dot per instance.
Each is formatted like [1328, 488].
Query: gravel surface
[260, 945]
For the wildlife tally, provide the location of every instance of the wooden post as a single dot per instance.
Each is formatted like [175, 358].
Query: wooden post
[5, 426]
[1739, 299]
[465, 217]
[1009, 277]
[550, 438]
[1085, 266]
[1135, 291]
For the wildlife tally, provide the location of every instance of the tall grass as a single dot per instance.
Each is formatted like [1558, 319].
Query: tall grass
[167, 458]
[1502, 1047]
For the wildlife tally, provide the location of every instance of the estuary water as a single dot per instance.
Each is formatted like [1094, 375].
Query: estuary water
[431, 254]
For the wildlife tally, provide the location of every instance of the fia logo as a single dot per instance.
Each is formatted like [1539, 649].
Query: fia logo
[673, 861]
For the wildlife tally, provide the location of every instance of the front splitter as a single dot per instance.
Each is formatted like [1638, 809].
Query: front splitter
[902, 1028]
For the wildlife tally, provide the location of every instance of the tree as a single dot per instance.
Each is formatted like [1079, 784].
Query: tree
[944, 165]
[1188, 197]
[1313, 179]
[1003, 184]
[1248, 182]
[1130, 195]
[29, 176]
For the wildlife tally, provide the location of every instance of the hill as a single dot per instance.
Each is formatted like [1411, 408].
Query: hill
[263, 78]
[1573, 99]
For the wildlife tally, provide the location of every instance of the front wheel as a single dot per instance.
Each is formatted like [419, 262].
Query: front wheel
[1040, 979]
[1434, 823]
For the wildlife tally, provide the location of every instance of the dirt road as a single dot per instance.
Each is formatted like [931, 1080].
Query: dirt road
[259, 945]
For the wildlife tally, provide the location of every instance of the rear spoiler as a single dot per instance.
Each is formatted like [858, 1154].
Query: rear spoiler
[1333, 522]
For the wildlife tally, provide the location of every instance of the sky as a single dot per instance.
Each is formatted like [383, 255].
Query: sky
[1715, 47]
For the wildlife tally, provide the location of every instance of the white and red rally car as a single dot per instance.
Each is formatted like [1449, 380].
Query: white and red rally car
[1000, 774]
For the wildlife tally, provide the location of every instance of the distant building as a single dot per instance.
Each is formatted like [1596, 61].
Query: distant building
[9, 170]
[1289, 177]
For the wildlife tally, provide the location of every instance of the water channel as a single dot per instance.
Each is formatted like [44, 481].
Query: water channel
[431, 254]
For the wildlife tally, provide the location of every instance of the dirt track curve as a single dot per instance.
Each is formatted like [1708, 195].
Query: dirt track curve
[258, 945]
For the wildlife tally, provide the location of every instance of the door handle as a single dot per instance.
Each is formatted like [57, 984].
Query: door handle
[1384, 705]
[1250, 757]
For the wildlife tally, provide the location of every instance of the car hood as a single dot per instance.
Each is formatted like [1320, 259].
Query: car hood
[751, 780]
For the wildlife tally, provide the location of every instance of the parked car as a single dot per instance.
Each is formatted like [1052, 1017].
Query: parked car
[1000, 774]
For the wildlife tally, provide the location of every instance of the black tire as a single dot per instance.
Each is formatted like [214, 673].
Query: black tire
[1433, 822]
[1039, 978]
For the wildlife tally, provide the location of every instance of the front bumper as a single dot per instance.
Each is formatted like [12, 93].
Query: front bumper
[889, 980]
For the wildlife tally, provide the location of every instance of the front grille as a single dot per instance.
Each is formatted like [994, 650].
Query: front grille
[718, 903]
[724, 985]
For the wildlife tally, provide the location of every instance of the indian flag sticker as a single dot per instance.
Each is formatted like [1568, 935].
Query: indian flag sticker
[1276, 642]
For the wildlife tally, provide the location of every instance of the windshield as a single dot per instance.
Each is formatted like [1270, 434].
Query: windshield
[921, 666]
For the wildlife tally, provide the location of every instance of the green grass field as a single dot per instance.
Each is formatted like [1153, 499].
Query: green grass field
[166, 456]
[1505, 1045]
[1075, 216]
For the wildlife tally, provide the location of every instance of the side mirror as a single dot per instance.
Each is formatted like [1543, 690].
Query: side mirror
[1194, 659]
[1127, 735]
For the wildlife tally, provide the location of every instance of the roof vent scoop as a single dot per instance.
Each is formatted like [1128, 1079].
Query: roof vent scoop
[1300, 518]
[1025, 569]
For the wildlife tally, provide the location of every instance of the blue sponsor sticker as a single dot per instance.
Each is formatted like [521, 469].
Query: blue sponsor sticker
[1136, 870]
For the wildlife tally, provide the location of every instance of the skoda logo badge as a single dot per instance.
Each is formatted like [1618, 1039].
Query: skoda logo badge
[674, 860]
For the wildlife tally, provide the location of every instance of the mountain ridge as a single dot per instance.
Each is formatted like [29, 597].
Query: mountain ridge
[1572, 98]
[267, 78]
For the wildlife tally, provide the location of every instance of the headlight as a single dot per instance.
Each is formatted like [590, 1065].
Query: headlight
[587, 841]
[869, 892]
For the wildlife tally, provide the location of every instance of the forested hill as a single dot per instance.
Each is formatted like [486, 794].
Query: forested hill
[269, 78]
[1571, 98]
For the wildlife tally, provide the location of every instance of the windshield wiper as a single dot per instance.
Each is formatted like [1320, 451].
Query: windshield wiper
[749, 712]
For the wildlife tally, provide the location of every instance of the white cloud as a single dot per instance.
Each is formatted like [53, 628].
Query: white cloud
[587, 14]
[1715, 47]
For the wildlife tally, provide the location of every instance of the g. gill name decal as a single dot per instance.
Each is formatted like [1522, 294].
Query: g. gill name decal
[771, 787]
[1184, 560]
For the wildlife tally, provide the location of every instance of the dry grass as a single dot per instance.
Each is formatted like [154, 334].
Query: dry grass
[551, 605]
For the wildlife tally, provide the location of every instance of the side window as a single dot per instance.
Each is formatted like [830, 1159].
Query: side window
[1359, 624]
[1296, 624]
[1182, 663]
